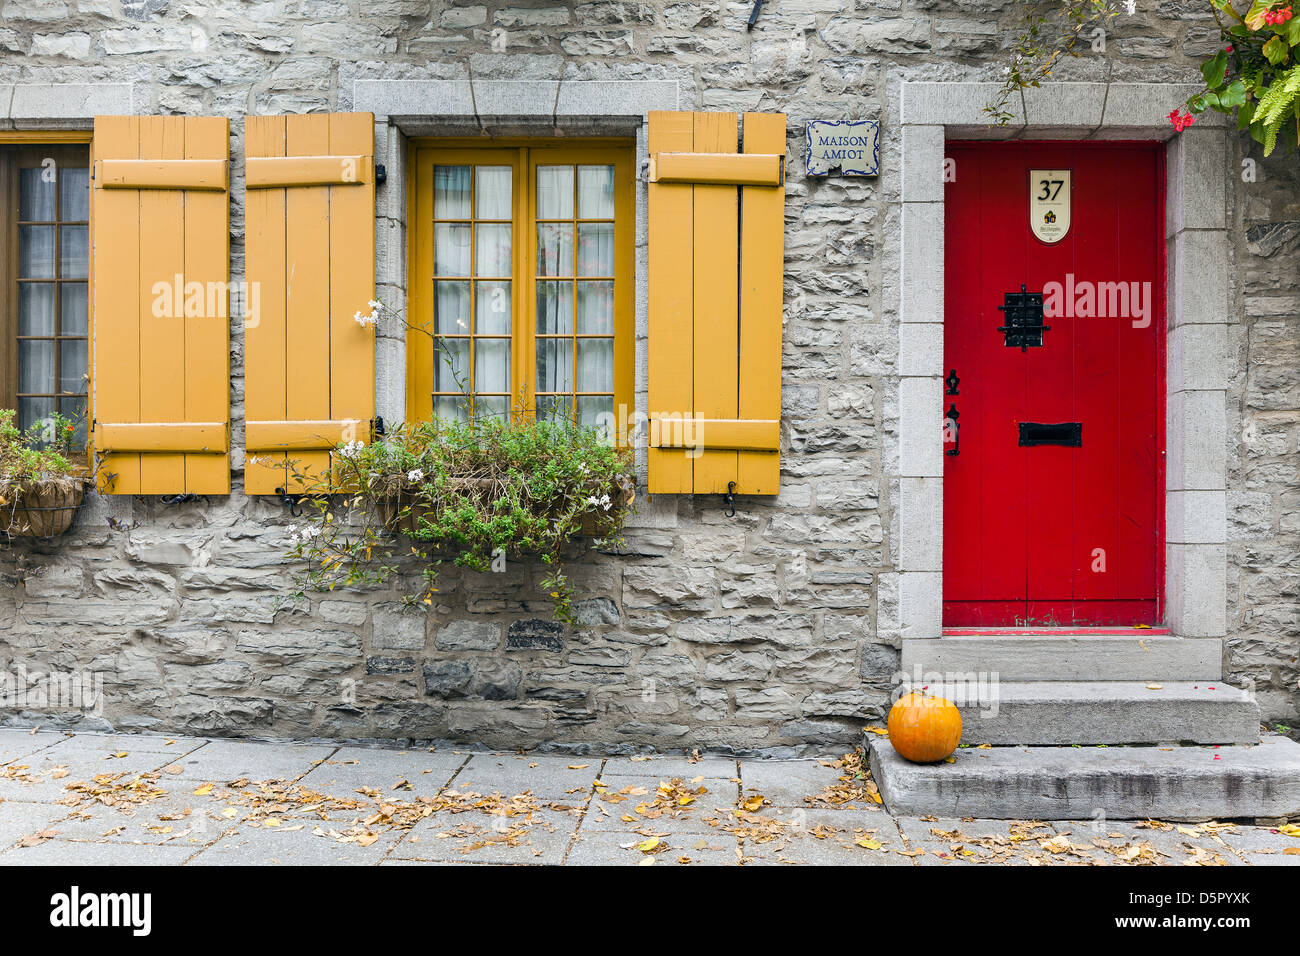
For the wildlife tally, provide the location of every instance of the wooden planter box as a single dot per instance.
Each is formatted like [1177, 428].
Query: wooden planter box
[43, 509]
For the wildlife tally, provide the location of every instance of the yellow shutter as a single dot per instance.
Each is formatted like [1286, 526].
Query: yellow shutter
[717, 225]
[161, 226]
[309, 367]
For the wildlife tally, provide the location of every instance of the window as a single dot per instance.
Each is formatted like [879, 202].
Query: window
[44, 298]
[521, 282]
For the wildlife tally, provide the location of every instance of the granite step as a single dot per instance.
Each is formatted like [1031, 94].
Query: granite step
[1069, 657]
[1082, 783]
[1103, 712]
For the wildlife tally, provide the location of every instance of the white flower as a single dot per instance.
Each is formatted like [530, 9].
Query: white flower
[375, 306]
[365, 321]
[415, 475]
[605, 502]
[593, 500]
[1130, 7]
[352, 449]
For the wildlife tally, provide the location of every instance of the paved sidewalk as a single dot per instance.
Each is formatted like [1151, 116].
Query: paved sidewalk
[106, 800]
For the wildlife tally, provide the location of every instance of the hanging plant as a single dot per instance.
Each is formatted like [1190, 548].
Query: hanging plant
[474, 492]
[1257, 73]
[40, 488]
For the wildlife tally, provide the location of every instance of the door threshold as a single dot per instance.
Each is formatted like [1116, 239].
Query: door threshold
[1118, 630]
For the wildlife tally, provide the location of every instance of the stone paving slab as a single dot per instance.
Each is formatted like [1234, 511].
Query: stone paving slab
[468, 837]
[786, 782]
[609, 848]
[18, 820]
[670, 767]
[1263, 846]
[178, 818]
[130, 743]
[15, 744]
[294, 845]
[58, 852]
[351, 768]
[222, 761]
[546, 775]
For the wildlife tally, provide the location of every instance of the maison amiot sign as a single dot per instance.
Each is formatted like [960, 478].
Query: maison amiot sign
[843, 147]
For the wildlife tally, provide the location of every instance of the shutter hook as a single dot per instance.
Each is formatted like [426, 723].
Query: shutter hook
[181, 499]
[290, 502]
[730, 499]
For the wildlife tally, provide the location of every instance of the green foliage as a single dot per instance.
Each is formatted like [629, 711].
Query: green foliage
[1044, 39]
[475, 493]
[39, 455]
[1257, 73]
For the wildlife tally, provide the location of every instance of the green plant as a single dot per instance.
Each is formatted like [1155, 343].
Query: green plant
[475, 493]
[1050, 32]
[1257, 73]
[40, 454]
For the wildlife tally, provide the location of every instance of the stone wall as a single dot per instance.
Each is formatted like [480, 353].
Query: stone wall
[767, 630]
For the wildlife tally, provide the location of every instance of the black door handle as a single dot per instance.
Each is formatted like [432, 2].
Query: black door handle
[951, 416]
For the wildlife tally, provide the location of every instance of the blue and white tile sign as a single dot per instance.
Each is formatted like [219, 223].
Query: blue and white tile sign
[846, 147]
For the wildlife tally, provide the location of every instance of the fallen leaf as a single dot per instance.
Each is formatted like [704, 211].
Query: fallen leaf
[204, 790]
[1155, 686]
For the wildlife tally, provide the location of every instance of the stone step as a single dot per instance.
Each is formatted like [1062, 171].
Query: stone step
[1082, 783]
[1067, 658]
[1103, 712]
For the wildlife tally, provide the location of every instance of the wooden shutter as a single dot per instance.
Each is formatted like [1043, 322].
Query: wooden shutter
[160, 221]
[310, 251]
[716, 263]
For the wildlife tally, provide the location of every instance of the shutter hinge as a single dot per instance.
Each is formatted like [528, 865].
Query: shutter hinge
[381, 175]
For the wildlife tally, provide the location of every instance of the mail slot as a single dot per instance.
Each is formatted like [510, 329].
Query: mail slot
[1069, 434]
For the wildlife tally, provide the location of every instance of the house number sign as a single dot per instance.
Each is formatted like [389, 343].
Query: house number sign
[1049, 204]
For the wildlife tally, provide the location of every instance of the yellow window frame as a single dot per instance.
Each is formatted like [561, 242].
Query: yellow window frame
[524, 156]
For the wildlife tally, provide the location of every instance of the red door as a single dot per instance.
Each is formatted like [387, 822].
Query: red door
[1054, 464]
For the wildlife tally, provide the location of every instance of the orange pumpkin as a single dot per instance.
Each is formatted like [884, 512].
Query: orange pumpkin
[924, 729]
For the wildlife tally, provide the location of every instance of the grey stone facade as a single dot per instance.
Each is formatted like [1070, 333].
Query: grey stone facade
[775, 628]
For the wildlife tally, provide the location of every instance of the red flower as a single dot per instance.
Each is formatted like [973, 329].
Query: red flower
[1229, 49]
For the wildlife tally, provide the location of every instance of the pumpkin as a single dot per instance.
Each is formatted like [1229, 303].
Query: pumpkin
[924, 729]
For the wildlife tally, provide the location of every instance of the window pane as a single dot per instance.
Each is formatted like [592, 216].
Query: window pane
[451, 365]
[451, 308]
[73, 319]
[36, 365]
[450, 406]
[555, 365]
[492, 304]
[35, 195]
[492, 365]
[72, 366]
[558, 408]
[74, 193]
[493, 199]
[554, 249]
[554, 192]
[595, 365]
[36, 252]
[36, 308]
[491, 407]
[554, 308]
[451, 192]
[451, 249]
[596, 412]
[595, 192]
[596, 249]
[74, 245]
[492, 254]
[596, 308]
[75, 409]
[32, 410]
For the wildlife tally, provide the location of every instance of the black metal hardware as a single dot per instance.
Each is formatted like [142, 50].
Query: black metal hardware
[381, 175]
[1023, 312]
[730, 499]
[952, 381]
[377, 426]
[951, 416]
[1069, 434]
[289, 501]
[180, 499]
[753, 15]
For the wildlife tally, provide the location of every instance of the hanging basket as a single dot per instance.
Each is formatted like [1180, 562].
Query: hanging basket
[40, 509]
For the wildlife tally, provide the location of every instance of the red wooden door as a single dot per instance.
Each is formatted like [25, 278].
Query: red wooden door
[1052, 533]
